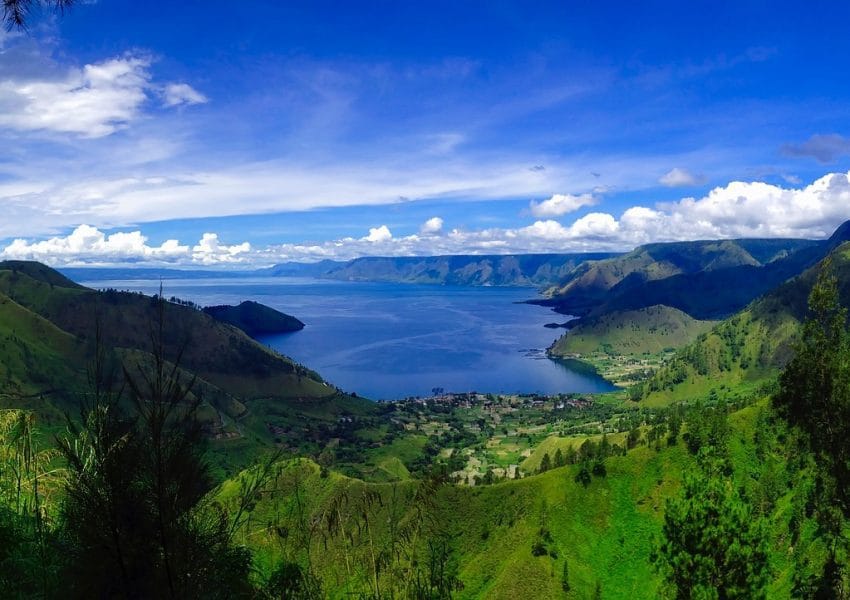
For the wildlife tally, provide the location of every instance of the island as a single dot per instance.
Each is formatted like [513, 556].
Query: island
[254, 318]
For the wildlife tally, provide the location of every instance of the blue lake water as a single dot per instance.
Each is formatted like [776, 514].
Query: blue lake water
[390, 341]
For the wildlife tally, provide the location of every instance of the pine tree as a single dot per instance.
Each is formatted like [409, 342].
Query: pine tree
[559, 458]
[814, 393]
[814, 397]
[713, 544]
[565, 577]
[136, 514]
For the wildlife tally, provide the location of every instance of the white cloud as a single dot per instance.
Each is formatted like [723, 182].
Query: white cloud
[210, 251]
[93, 101]
[89, 245]
[432, 226]
[560, 204]
[379, 234]
[176, 94]
[739, 209]
[677, 177]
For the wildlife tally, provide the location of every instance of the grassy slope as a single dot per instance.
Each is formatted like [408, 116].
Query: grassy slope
[606, 532]
[219, 353]
[38, 362]
[647, 330]
[48, 323]
[748, 348]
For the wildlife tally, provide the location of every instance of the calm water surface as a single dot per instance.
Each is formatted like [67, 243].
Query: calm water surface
[389, 341]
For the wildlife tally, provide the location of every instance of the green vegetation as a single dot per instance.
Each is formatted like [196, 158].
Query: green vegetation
[723, 474]
[709, 270]
[748, 349]
[627, 346]
[645, 331]
[254, 318]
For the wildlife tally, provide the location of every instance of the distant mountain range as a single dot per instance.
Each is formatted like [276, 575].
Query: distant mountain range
[496, 270]
[539, 270]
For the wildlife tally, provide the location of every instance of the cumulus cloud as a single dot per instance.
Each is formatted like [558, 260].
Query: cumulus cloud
[677, 177]
[93, 101]
[823, 148]
[560, 204]
[432, 226]
[176, 94]
[739, 209]
[210, 251]
[89, 245]
[379, 234]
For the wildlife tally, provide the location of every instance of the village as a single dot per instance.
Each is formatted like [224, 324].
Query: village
[481, 438]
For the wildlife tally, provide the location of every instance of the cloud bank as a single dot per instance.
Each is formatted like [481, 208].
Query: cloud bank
[739, 209]
[89, 245]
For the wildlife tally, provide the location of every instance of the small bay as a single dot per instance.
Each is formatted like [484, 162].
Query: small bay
[389, 341]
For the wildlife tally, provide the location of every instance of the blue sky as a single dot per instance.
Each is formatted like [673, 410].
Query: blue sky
[237, 134]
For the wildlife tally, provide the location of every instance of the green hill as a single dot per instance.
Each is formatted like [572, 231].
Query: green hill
[749, 347]
[592, 283]
[254, 318]
[37, 361]
[511, 539]
[49, 325]
[646, 330]
[707, 280]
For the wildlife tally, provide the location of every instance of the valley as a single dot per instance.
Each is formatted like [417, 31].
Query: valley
[517, 494]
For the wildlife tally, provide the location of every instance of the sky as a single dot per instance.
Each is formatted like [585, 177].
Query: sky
[242, 134]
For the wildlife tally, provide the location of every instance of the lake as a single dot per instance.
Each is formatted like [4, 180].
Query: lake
[389, 341]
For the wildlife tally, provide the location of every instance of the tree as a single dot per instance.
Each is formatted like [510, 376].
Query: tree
[137, 515]
[713, 545]
[16, 13]
[559, 458]
[545, 463]
[814, 393]
[814, 398]
[583, 476]
[565, 577]
[599, 467]
[674, 424]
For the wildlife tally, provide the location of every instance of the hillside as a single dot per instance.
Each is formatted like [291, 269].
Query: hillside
[37, 360]
[49, 323]
[695, 282]
[642, 331]
[254, 318]
[514, 538]
[626, 277]
[516, 270]
[748, 347]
